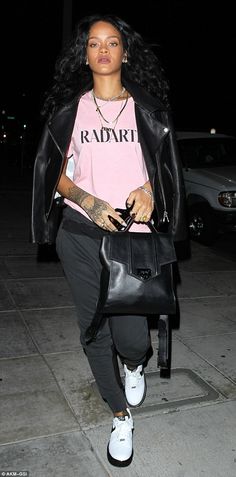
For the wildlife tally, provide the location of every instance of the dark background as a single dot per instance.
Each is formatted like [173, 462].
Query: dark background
[195, 41]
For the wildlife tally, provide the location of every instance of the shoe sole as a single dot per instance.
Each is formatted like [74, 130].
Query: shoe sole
[119, 463]
[143, 398]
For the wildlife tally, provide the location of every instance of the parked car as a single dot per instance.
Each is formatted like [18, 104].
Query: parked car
[209, 168]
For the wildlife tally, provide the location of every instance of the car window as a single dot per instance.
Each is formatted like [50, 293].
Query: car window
[207, 152]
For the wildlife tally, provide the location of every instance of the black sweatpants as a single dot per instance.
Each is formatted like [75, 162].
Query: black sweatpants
[78, 244]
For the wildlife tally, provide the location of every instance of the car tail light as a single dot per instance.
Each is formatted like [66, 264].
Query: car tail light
[227, 199]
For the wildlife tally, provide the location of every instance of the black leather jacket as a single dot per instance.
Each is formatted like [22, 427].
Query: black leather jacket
[158, 143]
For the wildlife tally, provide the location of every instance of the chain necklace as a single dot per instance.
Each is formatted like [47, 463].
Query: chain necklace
[109, 99]
[113, 122]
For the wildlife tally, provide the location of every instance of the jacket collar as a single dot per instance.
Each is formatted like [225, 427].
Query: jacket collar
[142, 98]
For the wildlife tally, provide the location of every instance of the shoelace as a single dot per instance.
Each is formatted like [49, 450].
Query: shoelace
[122, 428]
[133, 376]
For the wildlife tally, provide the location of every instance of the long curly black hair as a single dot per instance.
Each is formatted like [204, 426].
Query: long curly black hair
[72, 75]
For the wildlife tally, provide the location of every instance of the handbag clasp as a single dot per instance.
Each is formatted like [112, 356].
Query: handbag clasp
[144, 273]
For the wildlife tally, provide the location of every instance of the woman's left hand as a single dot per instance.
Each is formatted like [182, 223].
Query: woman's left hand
[143, 205]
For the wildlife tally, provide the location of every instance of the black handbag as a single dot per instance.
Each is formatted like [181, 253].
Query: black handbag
[137, 275]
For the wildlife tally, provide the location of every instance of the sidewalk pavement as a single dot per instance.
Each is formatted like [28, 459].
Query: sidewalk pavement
[53, 421]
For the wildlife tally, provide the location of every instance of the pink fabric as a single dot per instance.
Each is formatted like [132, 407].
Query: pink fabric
[107, 165]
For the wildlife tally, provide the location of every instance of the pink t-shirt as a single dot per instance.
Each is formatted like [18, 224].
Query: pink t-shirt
[106, 164]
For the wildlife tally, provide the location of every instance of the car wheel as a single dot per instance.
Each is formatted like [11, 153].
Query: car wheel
[201, 226]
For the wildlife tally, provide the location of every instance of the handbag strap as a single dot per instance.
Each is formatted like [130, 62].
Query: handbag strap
[149, 224]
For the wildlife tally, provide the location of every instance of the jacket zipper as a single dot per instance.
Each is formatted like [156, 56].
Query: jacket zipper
[165, 217]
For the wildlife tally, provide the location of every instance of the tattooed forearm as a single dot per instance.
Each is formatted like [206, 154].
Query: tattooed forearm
[95, 212]
[78, 195]
[92, 205]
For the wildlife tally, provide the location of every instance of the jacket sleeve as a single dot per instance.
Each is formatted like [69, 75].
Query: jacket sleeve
[42, 227]
[179, 225]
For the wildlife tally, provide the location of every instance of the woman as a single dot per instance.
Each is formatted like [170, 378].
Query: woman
[108, 143]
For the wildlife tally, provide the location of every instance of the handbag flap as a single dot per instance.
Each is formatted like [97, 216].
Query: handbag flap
[142, 253]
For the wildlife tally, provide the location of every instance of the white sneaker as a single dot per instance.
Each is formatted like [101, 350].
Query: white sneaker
[135, 386]
[120, 446]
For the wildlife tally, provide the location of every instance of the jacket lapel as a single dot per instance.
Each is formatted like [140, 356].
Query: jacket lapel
[151, 130]
[151, 134]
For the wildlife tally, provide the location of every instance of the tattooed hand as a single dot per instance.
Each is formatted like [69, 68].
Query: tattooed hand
[97, 209]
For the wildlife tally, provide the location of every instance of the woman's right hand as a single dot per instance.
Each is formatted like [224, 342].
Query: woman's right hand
[99, 211]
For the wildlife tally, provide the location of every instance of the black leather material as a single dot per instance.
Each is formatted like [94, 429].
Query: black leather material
[137, 276]
[137, 273]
